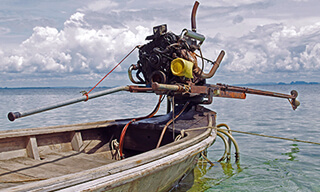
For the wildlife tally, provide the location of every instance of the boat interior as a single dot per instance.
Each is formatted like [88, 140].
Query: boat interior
[28, 155]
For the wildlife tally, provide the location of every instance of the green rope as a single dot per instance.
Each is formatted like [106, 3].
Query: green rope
[283, 138]
[207, 159]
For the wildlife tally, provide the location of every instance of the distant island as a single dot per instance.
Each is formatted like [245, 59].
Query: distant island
[280, 83]
[302, 83]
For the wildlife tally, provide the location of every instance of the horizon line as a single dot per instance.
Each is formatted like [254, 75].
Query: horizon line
[241, 84]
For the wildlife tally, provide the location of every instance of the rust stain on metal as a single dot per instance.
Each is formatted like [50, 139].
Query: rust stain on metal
[230, 94]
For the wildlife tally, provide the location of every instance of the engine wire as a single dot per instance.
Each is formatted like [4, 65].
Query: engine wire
[169, 122]
[155, 110]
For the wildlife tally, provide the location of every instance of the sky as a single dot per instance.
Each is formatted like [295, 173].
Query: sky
[75, 43]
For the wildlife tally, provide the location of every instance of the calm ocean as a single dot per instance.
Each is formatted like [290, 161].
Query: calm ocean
[265, 164]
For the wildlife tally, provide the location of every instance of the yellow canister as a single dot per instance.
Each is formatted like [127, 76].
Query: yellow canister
[182, 67]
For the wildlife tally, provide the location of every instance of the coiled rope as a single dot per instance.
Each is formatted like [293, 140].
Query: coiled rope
[227, 143]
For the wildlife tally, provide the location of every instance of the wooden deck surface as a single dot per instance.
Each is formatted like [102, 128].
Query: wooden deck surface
[24, 169]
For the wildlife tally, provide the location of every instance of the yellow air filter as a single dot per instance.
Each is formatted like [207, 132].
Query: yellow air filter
[182, 67]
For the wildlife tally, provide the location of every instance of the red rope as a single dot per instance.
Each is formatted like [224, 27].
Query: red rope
[86, 94]
[123, 132]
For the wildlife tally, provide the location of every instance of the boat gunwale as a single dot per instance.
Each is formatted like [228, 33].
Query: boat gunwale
[112, 181]
[65, 128]
[54, 129]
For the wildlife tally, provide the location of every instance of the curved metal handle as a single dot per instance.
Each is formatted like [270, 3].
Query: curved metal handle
[134, 67]
[214, 67]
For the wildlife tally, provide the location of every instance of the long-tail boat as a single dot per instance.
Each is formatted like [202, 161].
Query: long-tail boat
[151, 153]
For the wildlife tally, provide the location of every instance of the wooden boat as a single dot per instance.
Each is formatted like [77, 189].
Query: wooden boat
[80, 157]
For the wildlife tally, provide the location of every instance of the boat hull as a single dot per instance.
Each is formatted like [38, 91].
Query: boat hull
[159, 175]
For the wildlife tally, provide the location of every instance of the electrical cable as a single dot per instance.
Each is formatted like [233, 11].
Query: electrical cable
[155, 110]
[169, 122]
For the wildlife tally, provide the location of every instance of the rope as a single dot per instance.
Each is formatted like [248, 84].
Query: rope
[203, 156]
[219, 133]
[86, 94]
[275, 137]
[115, 147]
[235, 144]
[169, 122]
[256, 134]
[181, 135]
[173, 114]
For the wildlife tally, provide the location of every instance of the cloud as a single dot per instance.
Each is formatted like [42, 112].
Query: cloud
[96, 37]
[4, 30]
[272, 48]
[237, 19]
[100, 5]
[235, 3]
[77, 48]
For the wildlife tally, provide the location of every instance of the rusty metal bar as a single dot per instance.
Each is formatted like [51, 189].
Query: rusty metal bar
[291, 98]
[177, 88]
[229, 94]
[254, 91]
[138, 89]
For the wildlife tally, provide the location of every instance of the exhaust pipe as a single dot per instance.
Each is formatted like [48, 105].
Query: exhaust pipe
[193, 16]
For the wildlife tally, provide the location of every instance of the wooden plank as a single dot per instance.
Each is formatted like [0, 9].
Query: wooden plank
[96, 146]
[102, 157]
[76, 141]
[12, 144]
[16, 169]
[52, 165]
[75, 163]
[32, 148]
[54, 129]
[13, 154]
[7, 176]
[10, 179]
[52, 143]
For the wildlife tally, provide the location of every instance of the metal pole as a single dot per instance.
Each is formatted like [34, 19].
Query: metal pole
[293, 95]
[159, 86]
[14, 115]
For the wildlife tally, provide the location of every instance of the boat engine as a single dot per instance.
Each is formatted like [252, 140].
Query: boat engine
[168, 58]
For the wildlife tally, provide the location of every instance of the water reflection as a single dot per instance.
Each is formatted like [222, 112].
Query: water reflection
[207, 176]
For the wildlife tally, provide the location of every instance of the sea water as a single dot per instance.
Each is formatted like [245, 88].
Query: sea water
[266, 164]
